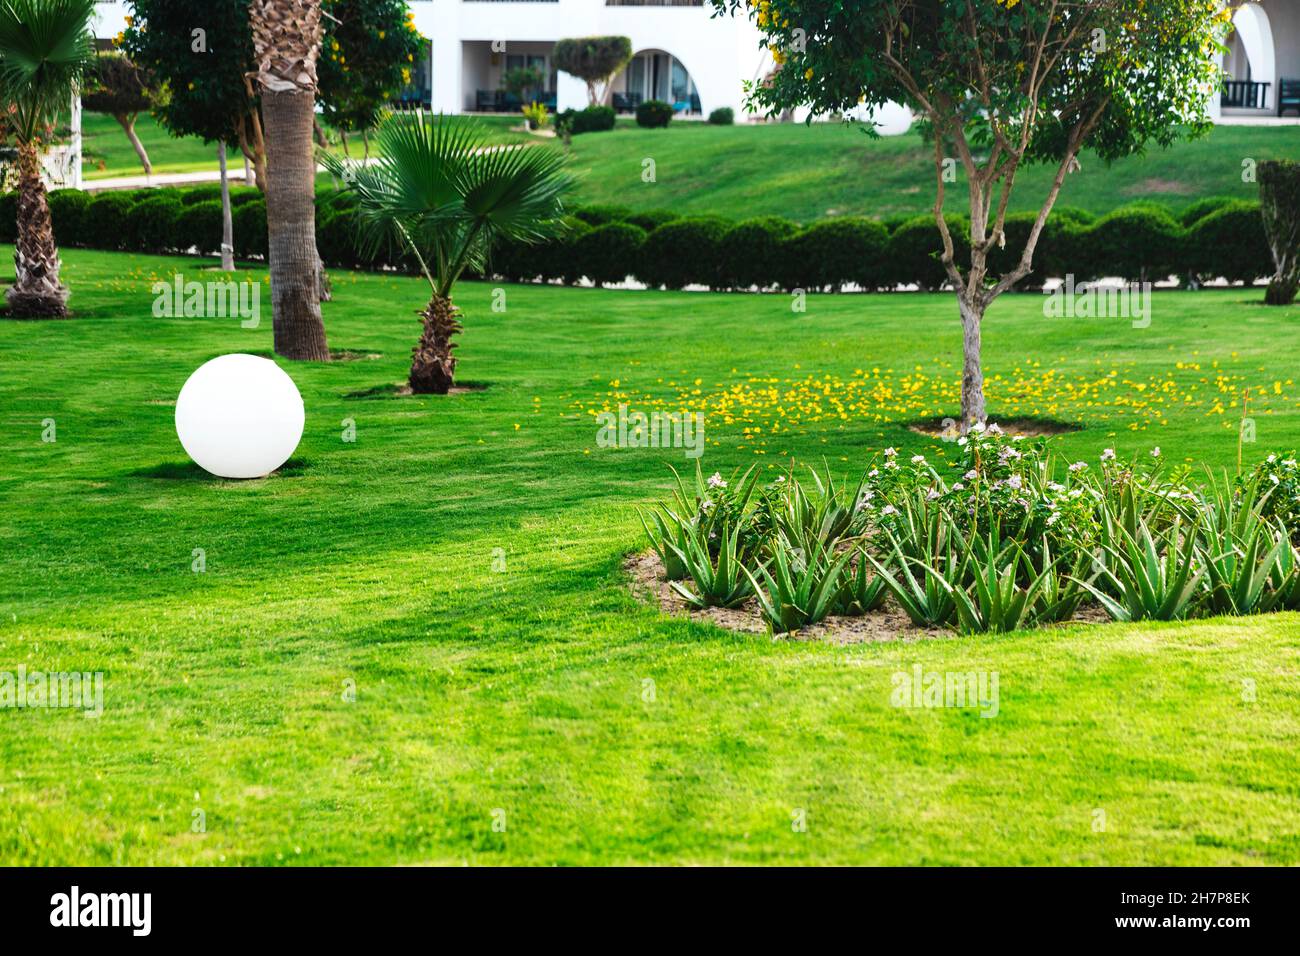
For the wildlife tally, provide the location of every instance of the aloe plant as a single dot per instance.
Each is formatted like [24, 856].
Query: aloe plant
[719, 581]
[859, 593]
[795, 593]
[996, 600]
[925, 600]
[1143, 583]
[668, 529]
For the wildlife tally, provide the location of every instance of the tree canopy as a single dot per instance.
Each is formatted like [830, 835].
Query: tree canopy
[594, 60]
[368, 53]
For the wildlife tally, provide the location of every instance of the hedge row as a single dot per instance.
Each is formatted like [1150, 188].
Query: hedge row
[1212, 238]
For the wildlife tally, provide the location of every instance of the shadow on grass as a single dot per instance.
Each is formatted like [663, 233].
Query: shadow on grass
[403, 390]
[188, 471]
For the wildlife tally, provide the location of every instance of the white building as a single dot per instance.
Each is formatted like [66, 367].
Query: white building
[686, 56]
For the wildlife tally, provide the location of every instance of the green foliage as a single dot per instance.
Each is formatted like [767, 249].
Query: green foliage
[609, 252]
[118, 87]
[718, 579]
[151, 224]
[524, 81]
[9, 216]
[683, 252]
[915, 247]
[1279, 197]
[799, 586]
[1136, 242]
[439, 195]
[248, 221]
[368, 52]
[1198, 210]
[752, 254]
[830, 253]
[654, 114]
[1229, 243]
[592, 119]
[101, 224]
[651, 219]
[46, 47]
[201, 50]
[722, 116]
[600, 215]
[594, 60]
[67, 209]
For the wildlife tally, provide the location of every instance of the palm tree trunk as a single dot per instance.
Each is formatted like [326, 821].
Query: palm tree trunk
[36, 292]
[291, 225]
[433, 367]
[128, 126]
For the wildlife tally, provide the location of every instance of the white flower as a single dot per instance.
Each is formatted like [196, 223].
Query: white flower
[780, 479]
[716, 480]
[1290, 462]
[892, 465]
[1056, 487]
[1155, 452]
[978, 428]
[706, 504]
[957, 486]
[1108, 454]
[962, 440]
[932, 495]
[970, 475]
[1014, 482]
[1271, 458]
[1053, 519]
[918, 459]
[1078, 466]
[891, 452]
[889, 510]
[994, 429]
[874, 473]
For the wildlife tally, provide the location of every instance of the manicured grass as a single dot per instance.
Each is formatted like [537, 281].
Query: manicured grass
[523, 691]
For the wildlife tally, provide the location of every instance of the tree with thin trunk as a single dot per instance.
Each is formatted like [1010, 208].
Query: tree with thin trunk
[202, 51]
[286, 42]
[227, 220]
[120, 89]
[1279, 202]
[594, 60]
[437, 191]
[46, 46]
[1000, 84]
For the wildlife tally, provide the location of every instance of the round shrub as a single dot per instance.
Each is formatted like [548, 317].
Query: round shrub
[151, 224]
[1229, 243]
[199, 226]
[599, 215]
[593, 119]
[249, 222]
[9, 217]
[556, 258]
[607, 254]
[101, 224]
[198, 194]
[654, 114]
[915, 248]
[893, 221]
[751, 252]
[834, 253]
[652, 219]
[1202, 208]
[1003, 259]
[67, 210]
[722, 116]
[684, 252]
[1137, 242]
[241, 196]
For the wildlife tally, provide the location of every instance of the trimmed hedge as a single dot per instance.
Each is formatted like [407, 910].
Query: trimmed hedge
[722, 116]
[654, 114]
[592, 119]
[1223, 238]
[608, 252]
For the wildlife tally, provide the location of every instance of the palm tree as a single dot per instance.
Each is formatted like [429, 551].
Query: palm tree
[286, 43]
[440, 193]
[45, 48]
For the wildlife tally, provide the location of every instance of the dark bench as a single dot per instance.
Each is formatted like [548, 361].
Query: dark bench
[1288, 95]
[626, 102]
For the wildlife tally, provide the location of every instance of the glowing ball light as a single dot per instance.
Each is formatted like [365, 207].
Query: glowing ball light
[239, 416]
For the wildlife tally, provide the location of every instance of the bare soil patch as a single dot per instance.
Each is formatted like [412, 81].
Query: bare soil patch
[948, 428]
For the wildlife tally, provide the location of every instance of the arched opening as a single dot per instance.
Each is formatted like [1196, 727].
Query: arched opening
[1250, 64]
[656, 75]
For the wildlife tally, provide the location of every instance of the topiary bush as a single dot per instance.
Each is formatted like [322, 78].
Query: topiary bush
[609, 253]
[199, 227]
[684, 252]
[555, 259]
[67, 210]
[652, 219]
[102, 221]
[722, 116]
[835, 252]
[592, 119]
[752, 253]
[151, 224]
[914, 249]
[249, 223]
[1229, 243]
[1202, 208]
[654, 114]
[600, 214]
[1140, 242]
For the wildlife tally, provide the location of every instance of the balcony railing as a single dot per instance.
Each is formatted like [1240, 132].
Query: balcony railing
[1244, 95]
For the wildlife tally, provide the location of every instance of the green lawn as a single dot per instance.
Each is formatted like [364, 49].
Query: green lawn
[802, 172]
[519, 695]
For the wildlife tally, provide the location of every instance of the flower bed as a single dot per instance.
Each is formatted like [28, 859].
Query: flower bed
[1003, 538]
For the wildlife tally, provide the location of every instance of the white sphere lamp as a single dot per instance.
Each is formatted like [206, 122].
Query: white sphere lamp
[239, 416]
